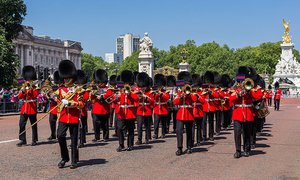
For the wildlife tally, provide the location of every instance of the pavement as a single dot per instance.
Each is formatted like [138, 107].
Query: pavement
[277, 155]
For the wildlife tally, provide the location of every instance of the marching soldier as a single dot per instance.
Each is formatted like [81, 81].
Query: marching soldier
[225, 104]
[171, 86]
[198, 110]
[53, 104]
[70, 101]
[144, 110]
[112, 114]
[29, 94]
[217, 101]
[126, 112]
[242, 114]
[101, 107]
[161, 105]
[277, 96]
[81, 80]
[269, 95]
[209, 94]
[185, 100]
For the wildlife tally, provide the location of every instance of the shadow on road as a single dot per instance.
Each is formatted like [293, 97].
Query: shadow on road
[47, 142]
[142, 147]
[200, 150]
[222, 133]
[170, 136]
[207, 143]
[157, 141]
[95, 144]
[261, 138]
[266, 130]
[262, 145]
[91, 162]
[257, 152]
[219, 138]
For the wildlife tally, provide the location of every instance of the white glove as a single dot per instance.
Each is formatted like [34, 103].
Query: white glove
[65, 102]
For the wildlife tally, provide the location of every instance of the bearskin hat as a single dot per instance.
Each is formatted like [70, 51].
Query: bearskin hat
[135, 73]
[208, 77]
[150, 81]
[260, 81]
[225, 80]
[246, 71]
[100, 76]
[28, 73]
[197, 81]
[217, 77]
[142, 80]
[56, 78]
[81, 77]
[67, 69]
[113, 80]
[127, 77]
[269, 87]
[159, 80]
[185, 76]
[276, 85]
[171, 81]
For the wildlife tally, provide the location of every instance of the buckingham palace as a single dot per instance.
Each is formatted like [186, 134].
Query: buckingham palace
[43, 52]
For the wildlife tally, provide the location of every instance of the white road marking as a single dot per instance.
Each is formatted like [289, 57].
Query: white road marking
[12, 140]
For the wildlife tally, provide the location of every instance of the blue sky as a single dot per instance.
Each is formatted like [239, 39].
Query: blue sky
[97, 23]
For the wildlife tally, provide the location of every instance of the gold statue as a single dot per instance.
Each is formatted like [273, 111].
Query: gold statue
[286, 38]
[184, 54]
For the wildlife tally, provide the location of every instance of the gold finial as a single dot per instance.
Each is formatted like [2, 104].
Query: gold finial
[286, 38]
[184, 54]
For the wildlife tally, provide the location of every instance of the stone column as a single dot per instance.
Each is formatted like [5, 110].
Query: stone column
[22, 56]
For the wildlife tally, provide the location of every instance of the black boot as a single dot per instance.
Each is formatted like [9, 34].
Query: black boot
[61, 164]
[179, 152]
[21, 143]
[237, 154]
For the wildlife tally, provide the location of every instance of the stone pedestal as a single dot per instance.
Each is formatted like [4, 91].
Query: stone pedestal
[146, 63]
[184, 66]
[287, 71]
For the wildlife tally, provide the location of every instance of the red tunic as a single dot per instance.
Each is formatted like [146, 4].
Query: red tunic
[69, 114]
[277, 94]
[198, 106]
[86, 96]
[209, 104]
[227, 104]
[53, 106]
[127, 106]
[243, 108]
[185, 107]
[145, 106]
[269, 94]
[161, 103]
[100, 107]
[29, 106]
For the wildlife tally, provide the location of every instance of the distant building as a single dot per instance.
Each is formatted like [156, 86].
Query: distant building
[44, 52]
[113, 57]
[127, 44]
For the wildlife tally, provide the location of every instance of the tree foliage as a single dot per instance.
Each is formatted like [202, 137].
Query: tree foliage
[12, 13]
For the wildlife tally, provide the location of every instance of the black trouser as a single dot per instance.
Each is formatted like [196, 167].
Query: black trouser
[226, 118]
[172, 115]
[240, 127]
[199, 125]
[269, 101]
[168, 122]
[160, 119]
[277, 104]
[146, 121]
[111, 116]
[189, 135]
[52, 122]
[129, 126]
[259, 124]
[83, 124]
[61, 135]
[254, 130]
[208, 118]
[218, 115]
[22, 126]
[101, 122]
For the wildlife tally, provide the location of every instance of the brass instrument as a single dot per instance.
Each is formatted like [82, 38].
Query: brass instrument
[46, 87]
[187, 88]
[28, 85]
[248, 84]
[127, 89]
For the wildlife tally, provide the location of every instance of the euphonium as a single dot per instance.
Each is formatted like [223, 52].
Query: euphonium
[248, 84]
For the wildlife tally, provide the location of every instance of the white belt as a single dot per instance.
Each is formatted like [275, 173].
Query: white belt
[126, 106]
[144, 104]
[162, 103]
[209, 100]
[185, 106]
[217, 99]
[243, 105]
[27, 101]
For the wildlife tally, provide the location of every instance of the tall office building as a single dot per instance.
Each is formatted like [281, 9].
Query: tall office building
[127, 44]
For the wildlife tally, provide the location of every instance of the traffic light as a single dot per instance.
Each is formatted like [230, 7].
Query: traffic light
[46, 73]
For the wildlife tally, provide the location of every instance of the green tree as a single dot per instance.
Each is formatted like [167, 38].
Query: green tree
[131, 62]
[90, 64]
[12, 13]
